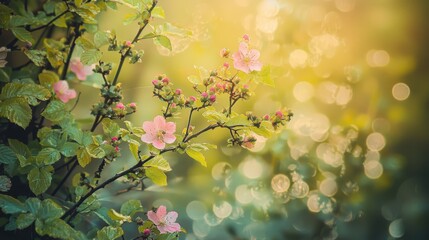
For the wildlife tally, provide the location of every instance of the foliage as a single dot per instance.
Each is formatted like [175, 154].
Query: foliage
[43, 144]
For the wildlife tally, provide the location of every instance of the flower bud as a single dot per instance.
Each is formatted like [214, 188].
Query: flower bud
[246, 37]
[224, 53]
[279, 114]
[133, 105]
[226, 65]
[178, 91]
[212, 98]
[120, 106]
[128, 43]
[114, 139]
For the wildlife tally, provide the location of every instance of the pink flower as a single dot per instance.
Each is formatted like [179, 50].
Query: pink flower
[159, 132]
[81, 71]
[165, 222]
[133, 105]
[120, 106]
[63, 92]
[114, 139]
[246, 60]
[212, 98]
[279, 114]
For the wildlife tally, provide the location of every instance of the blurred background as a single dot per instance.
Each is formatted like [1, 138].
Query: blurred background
[352, 163]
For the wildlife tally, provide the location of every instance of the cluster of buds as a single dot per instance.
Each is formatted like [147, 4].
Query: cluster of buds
[103, 68]
[248, 142]
[121, 110]
[279, 118]
[146, 232]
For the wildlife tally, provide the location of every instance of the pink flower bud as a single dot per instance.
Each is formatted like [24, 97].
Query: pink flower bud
[226, 65]
[155, 82]
[133, 105]
[146, 232]
[166, 81]
[173, 105]
[178, 91]
[246, 37]
[114, 139]
[245, 86]
[117, 149]
[204, 95]
[192, 99]
[267, 117]
[279, 114]
[128, 43]
[212, 90]
[120, 106]
[212, 98]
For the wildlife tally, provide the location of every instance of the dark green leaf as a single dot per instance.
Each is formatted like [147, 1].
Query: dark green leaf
[130, 207]
[17, 111]
[49, 156]
[69, 149]
[39, 179]
[24, 220]
[10, 205]
[55, 111]
[7, 156]
[38, 57]
[109, 233]
[90, 56]
[23, 35]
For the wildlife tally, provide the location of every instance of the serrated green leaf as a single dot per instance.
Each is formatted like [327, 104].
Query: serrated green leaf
[240, 120]
[163, 41]
[48, 78]
[49, 156]
[38, 57]
[12, 90]
[10, 205]
[157, 176]
[55, 111]
[49, 210]
[39, 179]
[158, 162]
[90, 56]
[101, 39]
[19, 147]
[215, 116]
[24, 220]
[109, 233]
[110, 128]
[69, 149]
[22, 34]
[17, 111]
[131, 207]
[33, 205]
[7, 156]
[197, 156]
[58, 229]
[83, 157]
[95, 151]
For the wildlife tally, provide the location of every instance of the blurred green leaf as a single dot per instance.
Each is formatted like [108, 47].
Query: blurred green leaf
[164, 41]
[91, 56]
[197, 156]
[157, 176]
[158, 12]
[117, 216]
[130, 207]
[48, 78]
[22, 34]
[55, 111]
[109, 233]
[37, 57]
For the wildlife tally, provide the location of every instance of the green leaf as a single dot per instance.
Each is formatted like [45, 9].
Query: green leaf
[240, 120]
[134, 148]
[5, 74]
[83, 157]
[158, 162]
[264, 76]
[49, 210]
[50, 137]
[158, 12]
[28, 91]
[110, 128]
[130, 17]
[39, 179]
[164, 41]
[109, 233]
[24, 220]
[38, 57]
[131, 207]
[197, 156]
[157, 176]
[23, 35]
[91, 56]
[33, 205]
[49, 156]
[17, 111]
[19, 148]
[58, 229]
[48, 78]
[10, 205]
[7, 156]
[215, 116]
[55, 111]
[95, 151]
[69, 149]
[117, 216]
[101, 38]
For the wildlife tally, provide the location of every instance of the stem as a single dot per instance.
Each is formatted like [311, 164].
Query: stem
[50, 22]
[72, 211]
[136, 38]
[65, 178]
[210, 127]
[189, 123]
[72, 46]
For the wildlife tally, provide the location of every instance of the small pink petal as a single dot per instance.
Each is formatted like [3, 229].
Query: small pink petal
[159, 122]
[171, 217]
[243, 48]
[162, 228]
[169, 138]
[147, 138]
[256, 66]
[153, 217]
[173, 227]
[254, 54]
[149, 127]
[161, 212]
[159, 144]
[170, 127]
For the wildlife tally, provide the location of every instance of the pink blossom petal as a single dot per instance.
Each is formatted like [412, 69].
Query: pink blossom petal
[241, 65]
[148, 138]
[149, 127]
[243, 48]
[173, 227]
[159, 144]
[162, 228]
[169, 138]
[254, 54]
[170, 127]
[255, 66]
[71, 93]
[159, 122]
[171, 217]
[161, 212]
[153, 217]
[60, 86]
